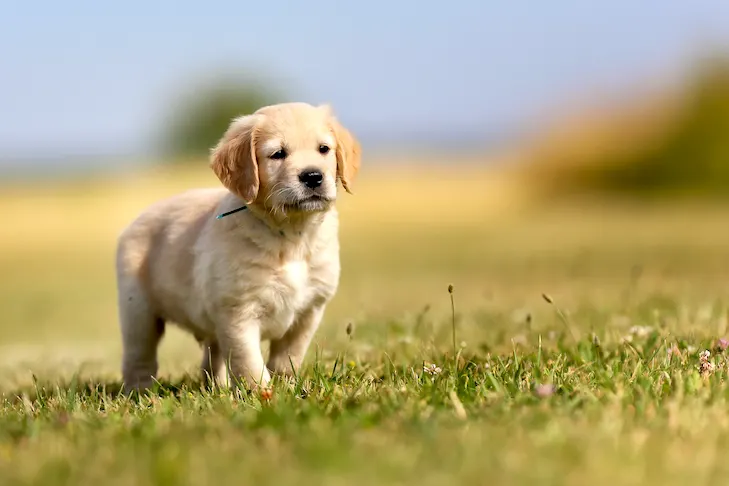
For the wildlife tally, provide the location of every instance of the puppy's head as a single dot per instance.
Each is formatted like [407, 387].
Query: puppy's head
[287, 158]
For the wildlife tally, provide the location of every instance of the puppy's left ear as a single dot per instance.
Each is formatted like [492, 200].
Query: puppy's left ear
[348, 152]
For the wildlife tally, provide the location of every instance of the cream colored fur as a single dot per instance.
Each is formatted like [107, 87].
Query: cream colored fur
[266, 273]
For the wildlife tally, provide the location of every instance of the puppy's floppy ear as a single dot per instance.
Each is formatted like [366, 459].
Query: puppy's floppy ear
[349, 152]
[234, 161]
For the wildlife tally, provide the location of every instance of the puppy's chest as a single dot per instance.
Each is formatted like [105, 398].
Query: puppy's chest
[290, 290]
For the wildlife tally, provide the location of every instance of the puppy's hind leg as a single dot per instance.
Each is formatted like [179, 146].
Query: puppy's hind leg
[141, 332]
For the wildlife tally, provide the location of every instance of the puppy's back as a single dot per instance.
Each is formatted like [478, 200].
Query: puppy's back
[156, 249]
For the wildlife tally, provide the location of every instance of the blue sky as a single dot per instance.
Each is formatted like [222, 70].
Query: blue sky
[88, 77]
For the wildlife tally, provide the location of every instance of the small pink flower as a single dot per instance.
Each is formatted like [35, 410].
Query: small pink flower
[722, 344]
[544, 390]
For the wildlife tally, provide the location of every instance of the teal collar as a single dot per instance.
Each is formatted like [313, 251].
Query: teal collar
[243, 208]
[222, 215]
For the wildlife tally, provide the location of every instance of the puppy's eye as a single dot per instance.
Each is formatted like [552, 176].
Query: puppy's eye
[323, 149]
[280, 154]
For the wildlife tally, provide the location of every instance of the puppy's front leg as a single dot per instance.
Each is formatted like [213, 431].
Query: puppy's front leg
[291, 348]
[240, 345]
[213, 365]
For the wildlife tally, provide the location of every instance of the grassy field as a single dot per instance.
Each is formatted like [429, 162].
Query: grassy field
[578, 327]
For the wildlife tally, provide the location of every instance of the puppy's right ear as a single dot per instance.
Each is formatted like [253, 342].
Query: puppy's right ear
[234, 161]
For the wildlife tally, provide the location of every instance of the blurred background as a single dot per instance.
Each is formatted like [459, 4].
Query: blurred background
[511, 150]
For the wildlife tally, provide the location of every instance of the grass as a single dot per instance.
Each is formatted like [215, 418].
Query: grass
[567, 353]
[606, 412]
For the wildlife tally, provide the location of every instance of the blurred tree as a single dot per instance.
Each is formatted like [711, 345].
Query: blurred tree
[689, 157]
[693, 159]
[199, 118]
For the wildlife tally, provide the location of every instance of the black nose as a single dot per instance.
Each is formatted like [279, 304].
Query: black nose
[311, 178]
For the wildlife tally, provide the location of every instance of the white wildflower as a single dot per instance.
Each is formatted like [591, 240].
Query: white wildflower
[432, 369]
[641, 331]
[706, 367]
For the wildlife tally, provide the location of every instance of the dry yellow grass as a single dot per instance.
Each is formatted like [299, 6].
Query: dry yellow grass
[81, 215]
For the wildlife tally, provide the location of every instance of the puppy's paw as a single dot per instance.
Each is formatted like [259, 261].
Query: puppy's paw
[282, 366]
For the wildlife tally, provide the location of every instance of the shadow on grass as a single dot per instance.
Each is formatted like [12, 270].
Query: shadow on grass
[76, 389]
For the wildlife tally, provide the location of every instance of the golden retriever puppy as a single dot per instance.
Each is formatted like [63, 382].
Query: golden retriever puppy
[235, 278]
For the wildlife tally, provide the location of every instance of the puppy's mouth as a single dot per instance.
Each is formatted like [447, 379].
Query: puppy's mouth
[312, 203]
